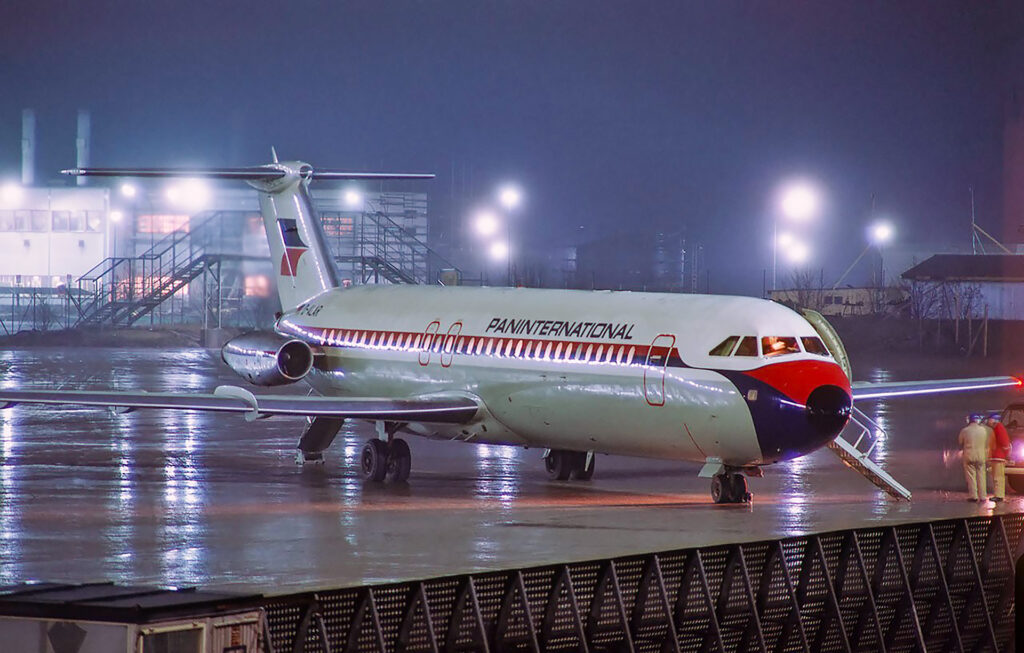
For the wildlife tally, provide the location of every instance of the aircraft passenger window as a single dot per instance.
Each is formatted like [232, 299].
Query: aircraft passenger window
[600, 353]
[529, 348]
[391, 339]
[547, 351]
[747, 347]
[479, 346]
[490, 346]
[779, 345]
[629, 358]
[462, 345]
[568, 351]
[618, 356]
[586, 356]
[725, 347]
[558, 352]
[508, 347]
[814, 345]
[519, 347]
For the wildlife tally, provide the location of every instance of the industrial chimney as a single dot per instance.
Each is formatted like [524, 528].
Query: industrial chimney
[28, 147]
[82, 143]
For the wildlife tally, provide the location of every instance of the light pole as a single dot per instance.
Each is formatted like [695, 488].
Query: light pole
[510, 197]
[879, 233]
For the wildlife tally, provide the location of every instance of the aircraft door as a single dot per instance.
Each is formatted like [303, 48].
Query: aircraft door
[654, 369]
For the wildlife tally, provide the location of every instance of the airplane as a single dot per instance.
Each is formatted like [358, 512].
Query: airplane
[735, 383]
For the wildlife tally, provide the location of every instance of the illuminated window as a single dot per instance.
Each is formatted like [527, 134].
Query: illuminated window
[618, 356]
[568, 351]
[490, 346]
[600, 353]
[779, 345]
[519, 347]
[508, 347]
[558, 351]
[391, 339]
[157, 223]
[547, 351]
[462, 345]
[586, 356]
[529, 348]
[629, 357]
[257, 285]
[472, 346]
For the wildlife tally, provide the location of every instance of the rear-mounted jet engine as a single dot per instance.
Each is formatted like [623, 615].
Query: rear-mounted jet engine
[267, 358]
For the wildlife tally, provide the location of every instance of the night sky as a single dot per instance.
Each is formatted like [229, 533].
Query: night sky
[612, 116]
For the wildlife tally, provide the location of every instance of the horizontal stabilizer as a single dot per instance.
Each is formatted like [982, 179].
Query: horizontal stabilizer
[255, 173]
[863, 391]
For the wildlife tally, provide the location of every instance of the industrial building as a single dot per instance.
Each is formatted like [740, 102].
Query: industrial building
[182, 252]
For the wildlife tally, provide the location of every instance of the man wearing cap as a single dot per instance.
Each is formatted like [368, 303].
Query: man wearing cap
[974, 443]
[999, 453]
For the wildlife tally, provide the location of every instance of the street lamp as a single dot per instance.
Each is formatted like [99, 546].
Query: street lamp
[510, 196]
[128, 190]
[353, 198]
[880, 234]
[499, 250]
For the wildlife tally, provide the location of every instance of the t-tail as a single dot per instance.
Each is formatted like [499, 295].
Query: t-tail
[302, 261]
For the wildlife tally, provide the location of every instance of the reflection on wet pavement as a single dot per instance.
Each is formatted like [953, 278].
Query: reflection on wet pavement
[180, 499]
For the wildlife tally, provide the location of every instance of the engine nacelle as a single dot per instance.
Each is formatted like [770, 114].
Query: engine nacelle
[267, 358]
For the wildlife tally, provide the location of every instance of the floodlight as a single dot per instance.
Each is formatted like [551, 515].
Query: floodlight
[510, 196]
[499, 251]
[797, 252]
[128, 190]
[11, 194]
[353, 198]
[799, 201]
[881, 232]
[486, 223]
[116, 216]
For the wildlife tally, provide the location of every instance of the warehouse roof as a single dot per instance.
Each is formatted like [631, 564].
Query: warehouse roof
[968, 267]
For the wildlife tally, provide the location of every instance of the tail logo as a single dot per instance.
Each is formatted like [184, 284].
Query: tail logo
[294, 248]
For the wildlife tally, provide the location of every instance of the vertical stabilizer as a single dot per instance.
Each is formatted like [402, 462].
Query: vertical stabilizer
[299, 253]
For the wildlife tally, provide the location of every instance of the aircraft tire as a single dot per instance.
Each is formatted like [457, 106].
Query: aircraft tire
[739, 488]
[374, 460]
[721, 489]
[399, 461]
[580, 472]
[559, 464]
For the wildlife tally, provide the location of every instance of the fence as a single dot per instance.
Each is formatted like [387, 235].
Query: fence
[935, 586]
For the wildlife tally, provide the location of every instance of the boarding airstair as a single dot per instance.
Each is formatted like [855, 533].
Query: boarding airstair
[857, 454]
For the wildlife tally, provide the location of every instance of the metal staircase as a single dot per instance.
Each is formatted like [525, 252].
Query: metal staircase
[376, 249]
[121, 290]
[857, 454]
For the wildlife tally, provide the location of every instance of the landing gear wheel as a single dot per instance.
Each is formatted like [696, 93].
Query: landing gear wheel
[729, 488]
[580, 471]
[559, 464]
[739, 489]
[374, 460]
[399, 461]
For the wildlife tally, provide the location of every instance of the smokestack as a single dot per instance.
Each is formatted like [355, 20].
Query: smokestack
[28, 147]
[82, 143]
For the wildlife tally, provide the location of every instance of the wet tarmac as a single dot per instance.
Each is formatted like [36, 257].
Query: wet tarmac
[181, 499]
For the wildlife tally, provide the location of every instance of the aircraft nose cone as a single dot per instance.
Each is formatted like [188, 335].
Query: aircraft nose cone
[828, 409]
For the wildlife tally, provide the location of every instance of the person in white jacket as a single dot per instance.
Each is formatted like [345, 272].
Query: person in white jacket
[974, 443]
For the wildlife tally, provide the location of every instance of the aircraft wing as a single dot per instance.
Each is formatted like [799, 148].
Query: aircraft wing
[863, 390]
[233, 399]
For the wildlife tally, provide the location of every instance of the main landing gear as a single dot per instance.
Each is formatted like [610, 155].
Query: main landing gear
[562, 465]
[730, 487]
[386, 457]
[382, 460]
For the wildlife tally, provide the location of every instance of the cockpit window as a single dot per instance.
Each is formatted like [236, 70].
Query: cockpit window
[725, 347]
[814, 345]
[748, 347]
[779, 345]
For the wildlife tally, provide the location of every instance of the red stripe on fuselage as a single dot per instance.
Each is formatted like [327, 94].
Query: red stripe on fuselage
[797, 379]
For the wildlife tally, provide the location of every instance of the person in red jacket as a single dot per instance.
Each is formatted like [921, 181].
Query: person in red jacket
[999, 453]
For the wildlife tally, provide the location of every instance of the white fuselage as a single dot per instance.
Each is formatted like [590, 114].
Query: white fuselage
[610, 372]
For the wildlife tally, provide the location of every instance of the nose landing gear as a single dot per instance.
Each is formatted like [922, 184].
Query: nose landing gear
[730, 487]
